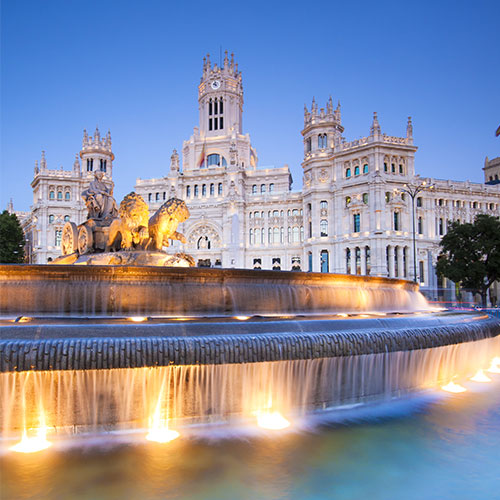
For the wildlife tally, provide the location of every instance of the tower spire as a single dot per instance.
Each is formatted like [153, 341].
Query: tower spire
[375, 128]
[409, 129]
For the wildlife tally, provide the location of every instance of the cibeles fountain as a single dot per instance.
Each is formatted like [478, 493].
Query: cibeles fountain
[120, 337]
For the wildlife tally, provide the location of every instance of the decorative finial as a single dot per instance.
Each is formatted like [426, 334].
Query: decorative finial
[226, 60]
[329, 106]
[375, 128]
[43, 161]
[409, 128]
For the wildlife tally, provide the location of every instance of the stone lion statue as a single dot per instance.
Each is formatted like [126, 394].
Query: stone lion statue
[163, 224]
[130, 231]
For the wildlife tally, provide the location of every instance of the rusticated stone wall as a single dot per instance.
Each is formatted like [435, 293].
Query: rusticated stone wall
[63, 347]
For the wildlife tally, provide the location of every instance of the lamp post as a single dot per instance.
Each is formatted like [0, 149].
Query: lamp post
[413, 190]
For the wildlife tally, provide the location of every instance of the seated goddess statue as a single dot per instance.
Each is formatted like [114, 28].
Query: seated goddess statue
[99, 199]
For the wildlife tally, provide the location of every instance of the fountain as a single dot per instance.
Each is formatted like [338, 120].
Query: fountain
[113, 338]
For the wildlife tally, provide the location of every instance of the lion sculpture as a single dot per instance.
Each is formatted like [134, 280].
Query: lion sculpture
[163, 224]
[130, 231]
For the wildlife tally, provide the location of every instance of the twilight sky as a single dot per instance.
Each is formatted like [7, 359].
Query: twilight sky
[133, 67]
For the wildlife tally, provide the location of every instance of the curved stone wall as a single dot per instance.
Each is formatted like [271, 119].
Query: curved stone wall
[94, 346]
[125, 290]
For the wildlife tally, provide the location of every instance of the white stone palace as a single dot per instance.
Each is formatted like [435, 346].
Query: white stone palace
[351, 216]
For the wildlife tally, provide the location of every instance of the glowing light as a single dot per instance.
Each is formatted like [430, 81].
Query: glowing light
[158, 430]
[162, 435]
[23, 319]
[343, 315]
[32, 444]
[495, 365]
[138, 319]
[272, 420]
[242, 318]
[453, 387]
[480, 376]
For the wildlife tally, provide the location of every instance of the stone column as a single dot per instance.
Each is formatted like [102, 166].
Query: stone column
[400, 262]
[363, 260]
[391, 261]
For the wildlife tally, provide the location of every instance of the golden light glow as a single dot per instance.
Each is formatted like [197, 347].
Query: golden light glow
[32, 444]
[138, 319]
[495, 365]
[158, 430]
[271, 420]
[242, 318]
[453, 387]
[162, 435]
[480, 376]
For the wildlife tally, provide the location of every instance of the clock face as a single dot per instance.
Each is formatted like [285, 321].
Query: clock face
[215, 84]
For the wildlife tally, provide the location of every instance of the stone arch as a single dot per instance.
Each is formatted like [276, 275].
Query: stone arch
[204, 236]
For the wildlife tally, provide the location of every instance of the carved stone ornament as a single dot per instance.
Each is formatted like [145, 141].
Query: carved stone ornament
[324, 175]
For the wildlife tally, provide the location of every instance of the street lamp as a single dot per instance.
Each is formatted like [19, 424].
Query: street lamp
[413, 190]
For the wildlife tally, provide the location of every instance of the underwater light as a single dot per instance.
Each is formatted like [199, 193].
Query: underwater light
[32, 444]
[272, 420]
[138, 319]
[495, 365]
[480, 376]
[453, 387]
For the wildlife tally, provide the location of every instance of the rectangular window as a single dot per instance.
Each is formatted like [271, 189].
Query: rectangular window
[420, 226]
[221, 122]
[396, 222]
[357, 223]
[419, 201]
[210, 124]
[421, 271]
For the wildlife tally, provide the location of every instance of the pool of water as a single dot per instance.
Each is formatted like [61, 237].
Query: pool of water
[430, 447]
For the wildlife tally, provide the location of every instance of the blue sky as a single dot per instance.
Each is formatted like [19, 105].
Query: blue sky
[134, 67]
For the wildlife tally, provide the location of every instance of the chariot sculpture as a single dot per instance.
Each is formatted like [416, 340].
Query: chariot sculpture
[128, 228]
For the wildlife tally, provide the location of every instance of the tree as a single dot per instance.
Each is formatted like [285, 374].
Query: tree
[470, 254]
[11, 239]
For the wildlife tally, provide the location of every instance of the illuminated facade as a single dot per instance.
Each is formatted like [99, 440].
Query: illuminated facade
[351, 215]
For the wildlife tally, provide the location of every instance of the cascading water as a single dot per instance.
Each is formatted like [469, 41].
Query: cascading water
[69, 401]
[208, 346]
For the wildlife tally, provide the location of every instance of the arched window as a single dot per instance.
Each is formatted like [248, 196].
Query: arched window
[365, 168]
[295, 235]
[164, 195]
[323, 227]
[150, 196]
[51, 195]
[204, 190]
[196, 190]
[219, 189]
[401, 169]
[203, 243]
[90, 164]
[262, 188]
[310, 261]
[157, 197]
[276, 235]
[276, 213]
[367, 260]
[348, 260]
[393, 168]
[59, 195]
[323, 205]
[257, 236]
[301, 233]
[271, 187]
[348, 173]
[322, 141]
[356, 170]
[308, 145]
[365, 198]
[289, 235]
[295, 212]
[214, 160]
[269, 235]
[212, 189]
[357, 255]
[66, 218]
[67, 196]
[51, 219]
[386, 169]
[254, 189]
[188, 191]
[102, 165]
[324, 261]
[251, 237]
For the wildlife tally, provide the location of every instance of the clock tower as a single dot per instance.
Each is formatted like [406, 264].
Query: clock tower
[220, 98]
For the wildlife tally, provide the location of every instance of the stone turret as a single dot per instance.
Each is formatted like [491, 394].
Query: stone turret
[96, 153]
[375, 129]
[220, 97]
[323, 128]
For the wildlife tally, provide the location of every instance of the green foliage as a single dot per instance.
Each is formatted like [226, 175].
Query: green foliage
[470, 254]
[11, 239]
